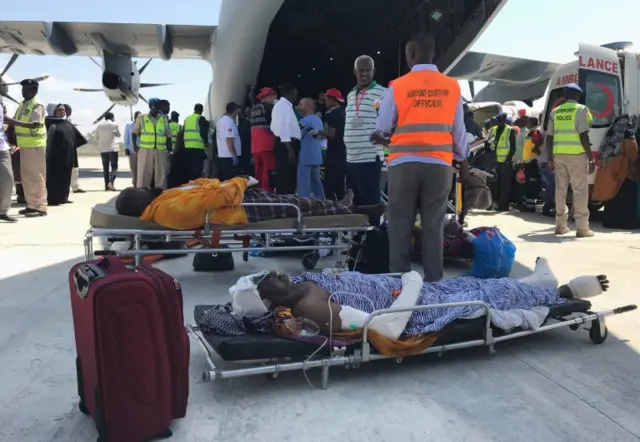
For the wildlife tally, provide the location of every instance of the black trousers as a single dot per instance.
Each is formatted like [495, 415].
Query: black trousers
[505, 176]
[109, 161]
[334, 177]
[286, 171]
[193, 163]
[226, 169]
[531, 185]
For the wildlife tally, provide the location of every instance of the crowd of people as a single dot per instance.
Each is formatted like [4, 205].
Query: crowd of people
[418, 125]
[38, 155]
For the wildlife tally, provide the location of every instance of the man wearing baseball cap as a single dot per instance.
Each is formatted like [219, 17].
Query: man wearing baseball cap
[336, 159]
[568, 143]
[31, 135]
[262, 139]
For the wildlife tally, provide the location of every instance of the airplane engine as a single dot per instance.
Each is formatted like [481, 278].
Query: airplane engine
[112, 81]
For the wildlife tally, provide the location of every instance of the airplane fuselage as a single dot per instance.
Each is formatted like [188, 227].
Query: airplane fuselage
[120, 80]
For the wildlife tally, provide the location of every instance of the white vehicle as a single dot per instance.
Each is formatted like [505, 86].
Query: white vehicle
[485, 110]
[609, 75]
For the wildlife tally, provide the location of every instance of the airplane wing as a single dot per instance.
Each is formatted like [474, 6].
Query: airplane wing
[91, 39]
[510, 78]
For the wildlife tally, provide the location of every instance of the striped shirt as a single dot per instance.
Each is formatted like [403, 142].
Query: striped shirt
[357, 137]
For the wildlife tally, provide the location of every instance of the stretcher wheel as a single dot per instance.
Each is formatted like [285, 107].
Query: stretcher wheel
[245, 256]
[594, 333]
[272, 377]
[83, 408]
[310, 260]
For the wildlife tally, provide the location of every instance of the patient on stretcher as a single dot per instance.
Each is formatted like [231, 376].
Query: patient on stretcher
[184, 207]
[343, 302]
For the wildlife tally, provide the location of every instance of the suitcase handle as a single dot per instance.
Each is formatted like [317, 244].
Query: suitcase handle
[84, 276]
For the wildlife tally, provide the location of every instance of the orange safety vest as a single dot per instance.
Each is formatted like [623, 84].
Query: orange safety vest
[427, 102]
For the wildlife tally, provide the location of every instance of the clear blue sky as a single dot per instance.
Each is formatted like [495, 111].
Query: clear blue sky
[552, 35]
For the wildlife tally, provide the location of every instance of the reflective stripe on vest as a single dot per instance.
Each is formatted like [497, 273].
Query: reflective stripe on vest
[566, 139]
[30, 137]
[153, 136]
[175, 130]
[192, 137]
[425, 115]
[502, 145]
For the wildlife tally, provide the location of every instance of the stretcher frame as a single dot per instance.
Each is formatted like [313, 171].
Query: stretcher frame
[216, 238]
[338, 355]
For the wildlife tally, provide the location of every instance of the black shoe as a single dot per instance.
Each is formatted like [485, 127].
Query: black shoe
[21, 201]
[549, 213]
[35, 214]
[79, 191]
[8, 219]
[26, 211]
[68, 202]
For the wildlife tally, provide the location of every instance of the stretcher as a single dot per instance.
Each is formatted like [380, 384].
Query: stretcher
[263, 354]
[107, 224]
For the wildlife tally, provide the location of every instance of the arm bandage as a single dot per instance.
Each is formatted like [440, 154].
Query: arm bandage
[391, 325]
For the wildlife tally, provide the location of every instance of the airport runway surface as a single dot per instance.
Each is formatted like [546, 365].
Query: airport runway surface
[556, 386]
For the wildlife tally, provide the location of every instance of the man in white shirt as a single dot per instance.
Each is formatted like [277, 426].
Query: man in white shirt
[284, 125]
[364, 158]
[228, 143]
[6, 172]
[108, 136]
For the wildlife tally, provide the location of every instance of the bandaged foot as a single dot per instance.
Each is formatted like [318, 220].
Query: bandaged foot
[542, 276]
[585, 287]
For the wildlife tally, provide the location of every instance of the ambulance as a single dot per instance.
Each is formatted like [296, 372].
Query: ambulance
[609, 75]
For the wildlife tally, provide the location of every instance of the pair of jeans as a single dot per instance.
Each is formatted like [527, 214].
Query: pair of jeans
[364, 180]
[549, 187]
[109, 161]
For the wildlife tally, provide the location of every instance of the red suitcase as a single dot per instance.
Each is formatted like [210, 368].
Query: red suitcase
[132, 349]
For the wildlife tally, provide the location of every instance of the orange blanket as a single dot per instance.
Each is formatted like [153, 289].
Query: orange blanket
[184, 207]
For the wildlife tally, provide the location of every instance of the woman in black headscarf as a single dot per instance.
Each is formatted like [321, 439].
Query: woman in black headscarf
[62, 141]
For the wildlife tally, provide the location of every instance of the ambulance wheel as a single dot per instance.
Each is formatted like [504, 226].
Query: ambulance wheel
[245, 256]
[310, 260]
[83, 408]
[594, 333]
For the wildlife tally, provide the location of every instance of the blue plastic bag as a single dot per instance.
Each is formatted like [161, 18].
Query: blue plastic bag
[493, 255]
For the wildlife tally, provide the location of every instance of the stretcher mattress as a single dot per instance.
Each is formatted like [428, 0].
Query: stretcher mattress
[262, 346]
[105, 216]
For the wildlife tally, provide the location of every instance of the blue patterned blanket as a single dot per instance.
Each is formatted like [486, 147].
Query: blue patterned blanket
[374, 292]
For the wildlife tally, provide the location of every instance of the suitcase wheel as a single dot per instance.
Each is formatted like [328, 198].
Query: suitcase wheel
[83, 408]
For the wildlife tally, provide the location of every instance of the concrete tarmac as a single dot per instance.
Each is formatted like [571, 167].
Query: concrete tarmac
[555, 386]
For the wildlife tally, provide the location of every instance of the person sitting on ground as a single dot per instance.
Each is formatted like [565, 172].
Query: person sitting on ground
[317, 297]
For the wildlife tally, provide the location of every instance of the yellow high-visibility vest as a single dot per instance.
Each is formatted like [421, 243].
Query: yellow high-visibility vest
[30, 137]
[175, 130]
[502, 145]
[566, 139]
[153, 136]
[192, 138]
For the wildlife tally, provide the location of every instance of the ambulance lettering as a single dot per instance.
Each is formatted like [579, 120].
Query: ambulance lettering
[599, 64]
[566, 79]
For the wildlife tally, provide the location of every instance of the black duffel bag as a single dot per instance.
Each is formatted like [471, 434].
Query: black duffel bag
[213, 262]
[370, 254]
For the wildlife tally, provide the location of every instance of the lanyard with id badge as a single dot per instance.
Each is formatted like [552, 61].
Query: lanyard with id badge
[359, 96]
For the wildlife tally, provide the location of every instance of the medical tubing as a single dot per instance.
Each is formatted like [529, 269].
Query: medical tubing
[330, 338]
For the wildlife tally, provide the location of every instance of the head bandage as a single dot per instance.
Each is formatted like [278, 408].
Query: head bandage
[245, 298]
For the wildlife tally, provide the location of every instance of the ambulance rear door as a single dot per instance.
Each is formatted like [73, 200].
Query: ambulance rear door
[600, 75]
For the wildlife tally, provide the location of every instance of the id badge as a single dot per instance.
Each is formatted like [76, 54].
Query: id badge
[356, 122]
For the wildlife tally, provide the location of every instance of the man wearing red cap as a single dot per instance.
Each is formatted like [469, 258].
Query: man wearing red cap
[262, 139]
[336, 160]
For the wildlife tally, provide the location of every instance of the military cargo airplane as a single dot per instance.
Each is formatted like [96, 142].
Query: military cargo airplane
[266, 42]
